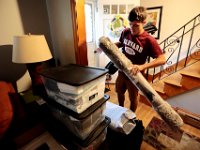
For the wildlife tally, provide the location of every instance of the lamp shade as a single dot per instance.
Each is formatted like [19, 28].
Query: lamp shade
[30, 49]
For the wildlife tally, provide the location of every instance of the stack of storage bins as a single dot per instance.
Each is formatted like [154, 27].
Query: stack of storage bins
[77, 101]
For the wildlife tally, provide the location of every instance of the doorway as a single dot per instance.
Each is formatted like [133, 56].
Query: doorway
[90, 32]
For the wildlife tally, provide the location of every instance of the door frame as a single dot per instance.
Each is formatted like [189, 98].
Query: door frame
[91, 46]
[78, 23]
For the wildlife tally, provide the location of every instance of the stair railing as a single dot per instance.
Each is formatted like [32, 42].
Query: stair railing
[179, 48]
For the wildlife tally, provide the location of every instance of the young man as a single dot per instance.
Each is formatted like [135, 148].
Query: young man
[137, 45]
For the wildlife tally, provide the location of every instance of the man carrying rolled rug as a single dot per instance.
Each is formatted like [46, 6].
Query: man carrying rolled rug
[136, 45]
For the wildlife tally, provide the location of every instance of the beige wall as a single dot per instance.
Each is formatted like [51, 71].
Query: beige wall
[11, 24]
[20, 17]
[10, 21]
[175, 14]
[49, 17]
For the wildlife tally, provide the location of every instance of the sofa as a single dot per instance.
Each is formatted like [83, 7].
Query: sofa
[6, 108]
[20, 122]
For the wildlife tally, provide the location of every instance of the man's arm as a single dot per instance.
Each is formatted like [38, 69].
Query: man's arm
[160, 60]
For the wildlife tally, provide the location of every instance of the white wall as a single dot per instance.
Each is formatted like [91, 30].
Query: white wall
[175, 14]
[60, 19]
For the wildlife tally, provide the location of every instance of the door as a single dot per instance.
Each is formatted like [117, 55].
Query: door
[90, 32]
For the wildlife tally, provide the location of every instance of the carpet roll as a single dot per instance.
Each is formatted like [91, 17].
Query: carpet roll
[166, 112]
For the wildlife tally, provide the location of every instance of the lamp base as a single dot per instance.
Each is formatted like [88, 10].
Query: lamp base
[37, 83]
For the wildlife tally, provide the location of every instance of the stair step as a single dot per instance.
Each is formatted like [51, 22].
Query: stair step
[193, 70]
[190, 74]
[174, 80]
[179, 82]
[193, 82]
[159, 87]
[172, 90]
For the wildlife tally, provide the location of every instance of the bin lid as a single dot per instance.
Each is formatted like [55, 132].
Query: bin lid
[74, 74]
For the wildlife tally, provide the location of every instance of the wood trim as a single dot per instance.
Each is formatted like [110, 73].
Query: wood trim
[78, 19]
[74, 27]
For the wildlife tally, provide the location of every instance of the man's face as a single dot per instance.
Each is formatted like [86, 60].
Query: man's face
[136, 27]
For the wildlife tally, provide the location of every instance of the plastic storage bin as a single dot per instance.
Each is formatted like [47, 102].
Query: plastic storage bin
[71, 142]
[81, 125]
[75, 87]
[81, 102]
[94, 145]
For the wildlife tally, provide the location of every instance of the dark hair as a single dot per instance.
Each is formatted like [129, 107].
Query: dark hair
[137, 14]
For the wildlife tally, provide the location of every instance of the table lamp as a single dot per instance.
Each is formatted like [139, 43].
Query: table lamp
[32, 50]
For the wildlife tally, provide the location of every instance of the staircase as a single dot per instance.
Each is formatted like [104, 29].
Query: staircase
[186, 78]
[177, 83]
[181, 72]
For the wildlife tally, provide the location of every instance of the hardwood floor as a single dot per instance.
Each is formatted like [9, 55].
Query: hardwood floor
[146, 113]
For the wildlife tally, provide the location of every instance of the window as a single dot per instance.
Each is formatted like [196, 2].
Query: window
[89, 23]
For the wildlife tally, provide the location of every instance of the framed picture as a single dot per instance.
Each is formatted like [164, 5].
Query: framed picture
[114, 9]
[154, 18]
[106, 9]
[122, 9]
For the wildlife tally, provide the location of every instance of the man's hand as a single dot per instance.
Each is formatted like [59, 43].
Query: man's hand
[135, 69]
[98, 50]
